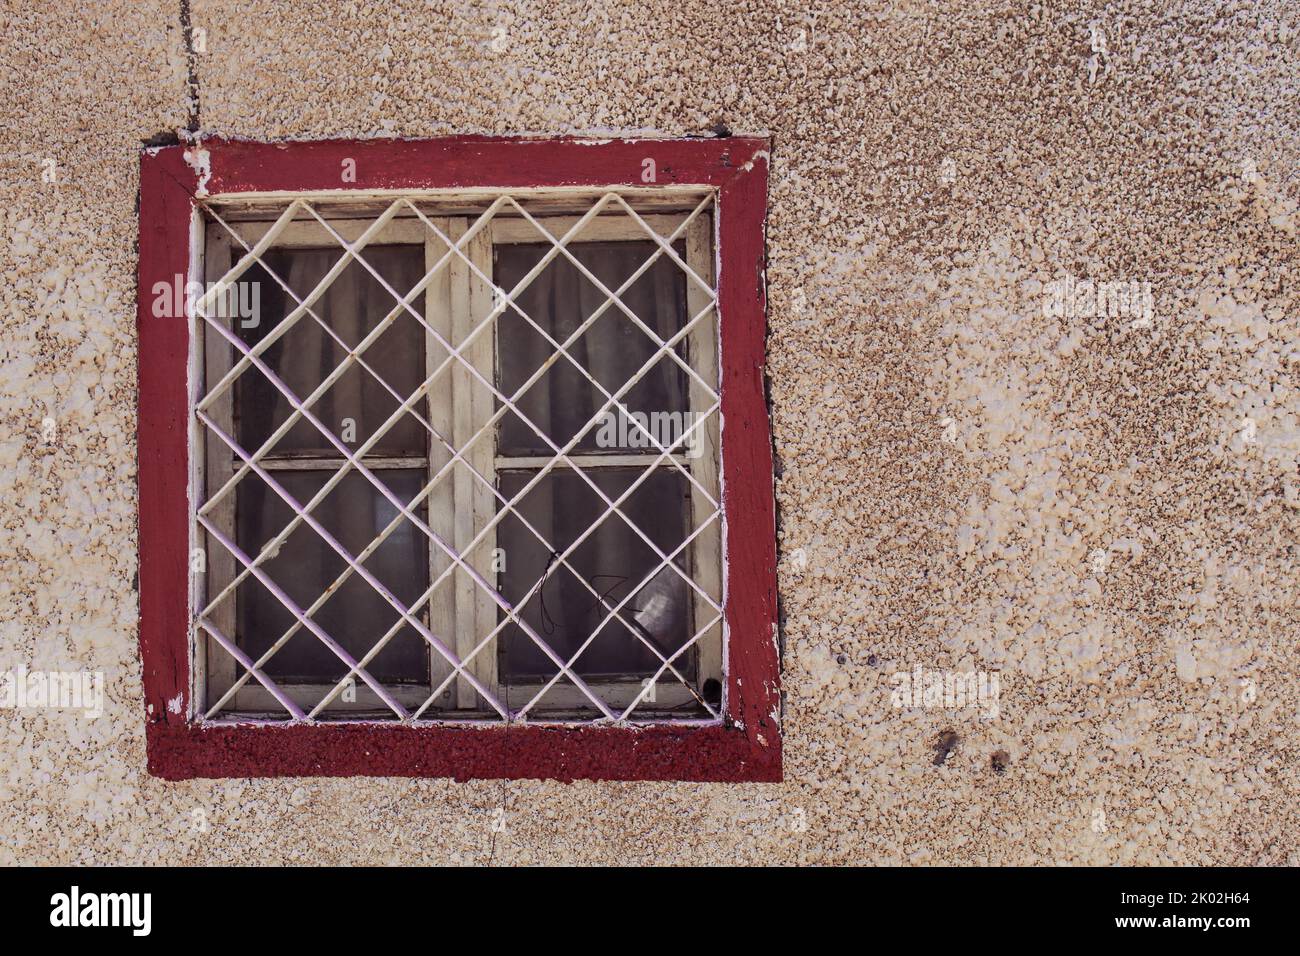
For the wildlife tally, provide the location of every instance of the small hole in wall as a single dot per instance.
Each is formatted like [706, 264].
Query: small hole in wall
[944, 746]
[166, 137]
[1000, 761]
[713, 691]
[842, 659]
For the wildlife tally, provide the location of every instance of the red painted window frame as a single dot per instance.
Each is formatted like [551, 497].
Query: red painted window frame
[745, 747]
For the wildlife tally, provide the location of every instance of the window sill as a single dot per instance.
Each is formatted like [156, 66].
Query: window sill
[702, 752]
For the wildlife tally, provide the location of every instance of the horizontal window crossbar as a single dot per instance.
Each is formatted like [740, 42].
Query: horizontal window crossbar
[589, 461]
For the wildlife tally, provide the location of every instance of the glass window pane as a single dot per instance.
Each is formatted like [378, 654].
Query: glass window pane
[559, 300]
[304, 356]
[613, 560]
[356, 616]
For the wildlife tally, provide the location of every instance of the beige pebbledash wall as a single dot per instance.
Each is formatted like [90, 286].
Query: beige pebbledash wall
[1105, 511]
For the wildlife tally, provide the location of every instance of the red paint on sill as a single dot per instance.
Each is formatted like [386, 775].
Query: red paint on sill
[706, 753]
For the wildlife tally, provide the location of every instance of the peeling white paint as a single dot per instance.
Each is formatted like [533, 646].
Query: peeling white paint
[200, 160]
[762, 155]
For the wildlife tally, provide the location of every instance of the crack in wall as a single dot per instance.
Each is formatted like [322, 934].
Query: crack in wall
[192, 70]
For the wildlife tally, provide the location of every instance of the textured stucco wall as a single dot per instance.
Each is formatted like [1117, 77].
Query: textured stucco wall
[965, 482]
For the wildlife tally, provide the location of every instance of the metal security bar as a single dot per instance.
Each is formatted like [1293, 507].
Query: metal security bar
[462, 455]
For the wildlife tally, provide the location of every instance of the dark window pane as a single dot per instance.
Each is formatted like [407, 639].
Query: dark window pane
[356, 616]
[613, 559]
[559, 300]
[305, 355]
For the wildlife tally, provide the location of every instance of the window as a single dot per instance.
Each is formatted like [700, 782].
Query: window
[447, 441]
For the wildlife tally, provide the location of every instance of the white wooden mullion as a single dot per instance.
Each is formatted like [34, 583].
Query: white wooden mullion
[325, 464]
[619, 691]
[254, 699]
[304, 234]
[704, 348]
[440, 503]
[458, 197]
[508, 231]
[476, 612]
[198, 646]
[218, 668]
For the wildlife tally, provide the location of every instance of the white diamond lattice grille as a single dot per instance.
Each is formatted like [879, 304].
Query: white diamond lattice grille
[462, 665]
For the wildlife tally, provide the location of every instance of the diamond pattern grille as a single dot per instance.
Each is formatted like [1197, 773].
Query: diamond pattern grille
[459, 658]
